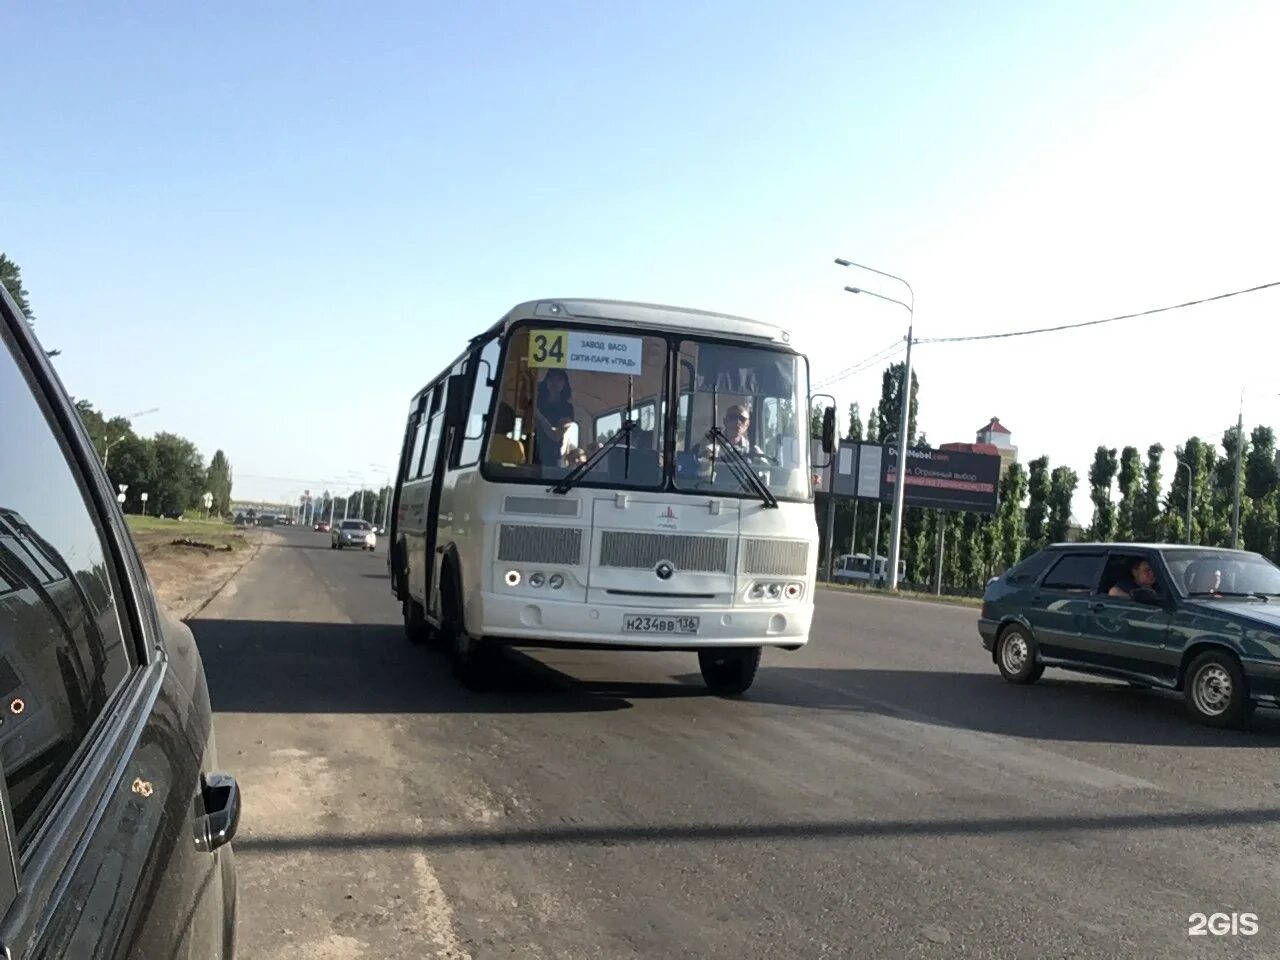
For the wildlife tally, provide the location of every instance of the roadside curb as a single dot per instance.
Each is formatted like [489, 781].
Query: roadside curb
[257, 547]
[962, 603]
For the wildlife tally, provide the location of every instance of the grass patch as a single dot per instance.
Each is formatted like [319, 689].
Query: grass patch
[184, 528]
[973, 602]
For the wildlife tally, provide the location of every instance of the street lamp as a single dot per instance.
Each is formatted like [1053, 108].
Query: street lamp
[108, 443]
[899, 485]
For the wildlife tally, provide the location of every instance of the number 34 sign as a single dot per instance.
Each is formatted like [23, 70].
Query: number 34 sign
[585, 350]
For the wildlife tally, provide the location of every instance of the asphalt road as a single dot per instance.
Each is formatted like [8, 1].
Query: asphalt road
[881, 793]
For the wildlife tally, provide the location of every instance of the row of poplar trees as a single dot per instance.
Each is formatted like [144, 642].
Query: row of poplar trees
[1132, 502]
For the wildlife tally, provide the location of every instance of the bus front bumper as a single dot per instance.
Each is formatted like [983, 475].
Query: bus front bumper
[522, 619]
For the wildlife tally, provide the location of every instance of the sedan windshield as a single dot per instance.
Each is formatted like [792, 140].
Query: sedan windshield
[354, 525]
[1222, 573]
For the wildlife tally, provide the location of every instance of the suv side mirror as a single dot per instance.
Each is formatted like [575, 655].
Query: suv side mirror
[829, 430]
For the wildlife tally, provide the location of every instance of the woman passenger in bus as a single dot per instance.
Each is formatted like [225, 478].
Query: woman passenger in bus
[552, 414]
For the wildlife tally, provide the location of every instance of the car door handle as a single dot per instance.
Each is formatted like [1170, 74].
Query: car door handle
[1097, 607]
[217, 828]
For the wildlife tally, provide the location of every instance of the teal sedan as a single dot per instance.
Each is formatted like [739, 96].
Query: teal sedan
[1204, 622]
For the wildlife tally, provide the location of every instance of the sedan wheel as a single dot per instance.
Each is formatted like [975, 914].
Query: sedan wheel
[1216, 691]
[1016, 656]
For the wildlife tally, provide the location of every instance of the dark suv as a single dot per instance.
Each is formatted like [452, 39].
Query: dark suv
[114, 824]
[1199, 620]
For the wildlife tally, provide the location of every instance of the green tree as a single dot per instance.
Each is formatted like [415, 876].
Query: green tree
[888, 412]
[1062, 487]
[968, 550]
[11, 277]
[815, 420]
[179, 474]
[1011, 517]
[1127, 516]
[855, 423]
[1205, 521]
[1224, 487]
[990, 548]
[1102, 475]
[1038, 490]
[1147, 522]
[133, 463]
[218, 482]
[873, 426]
[924, 547]
[1258, 529]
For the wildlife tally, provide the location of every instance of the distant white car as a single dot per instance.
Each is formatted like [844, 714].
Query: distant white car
[353, 533]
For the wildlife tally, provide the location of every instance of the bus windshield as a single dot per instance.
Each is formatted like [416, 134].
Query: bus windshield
[564, 393]
[750, 398]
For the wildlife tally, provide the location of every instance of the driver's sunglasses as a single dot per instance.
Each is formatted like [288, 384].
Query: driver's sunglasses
[741, 419]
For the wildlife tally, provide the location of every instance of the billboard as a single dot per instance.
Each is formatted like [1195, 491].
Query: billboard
[937, 479]
[945, 479]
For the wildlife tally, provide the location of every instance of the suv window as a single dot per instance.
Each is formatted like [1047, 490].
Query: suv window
[1029, 569]
[1075, 571]
[63, 650]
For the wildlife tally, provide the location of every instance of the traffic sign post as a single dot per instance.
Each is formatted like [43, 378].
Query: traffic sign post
[143, 497]
[207, 500]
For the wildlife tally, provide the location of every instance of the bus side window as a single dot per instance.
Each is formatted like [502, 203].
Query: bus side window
[486, 367]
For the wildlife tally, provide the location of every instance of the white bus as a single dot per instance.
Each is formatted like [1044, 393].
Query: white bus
[856, 568]
[599, 474]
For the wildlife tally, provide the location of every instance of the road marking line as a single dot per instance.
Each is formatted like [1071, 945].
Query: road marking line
[437, 914]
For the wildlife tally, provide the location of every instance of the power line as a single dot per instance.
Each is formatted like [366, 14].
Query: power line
[861, 365]
[1094, 323]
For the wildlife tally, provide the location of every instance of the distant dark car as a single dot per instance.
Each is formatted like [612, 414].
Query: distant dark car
[322, 526]
[1208, 626]
[115, 825]
[266, 520]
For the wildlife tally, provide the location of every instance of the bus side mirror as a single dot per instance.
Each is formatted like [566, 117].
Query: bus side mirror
[829, 430]
[455, 404]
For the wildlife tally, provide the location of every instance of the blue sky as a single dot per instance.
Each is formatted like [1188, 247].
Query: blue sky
[221, 212]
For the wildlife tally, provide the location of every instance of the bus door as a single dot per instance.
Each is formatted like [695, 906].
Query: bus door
[410, 454]
[433, 462]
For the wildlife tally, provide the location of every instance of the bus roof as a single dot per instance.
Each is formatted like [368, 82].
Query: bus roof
[627, 314]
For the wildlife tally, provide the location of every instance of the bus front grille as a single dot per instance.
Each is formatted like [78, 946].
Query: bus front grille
[775, 558]
[643, 551]
[533, 544]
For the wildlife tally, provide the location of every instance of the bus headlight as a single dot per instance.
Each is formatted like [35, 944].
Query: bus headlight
[536, 579]
[512, 578]
[556, 581]
[773, 591]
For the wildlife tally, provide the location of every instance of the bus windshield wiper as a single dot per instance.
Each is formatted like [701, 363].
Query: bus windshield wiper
[566, 482]
[742, 467]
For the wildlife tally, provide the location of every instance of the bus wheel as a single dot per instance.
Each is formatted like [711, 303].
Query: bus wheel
[473, 660]
[416, 627]
[729, 671]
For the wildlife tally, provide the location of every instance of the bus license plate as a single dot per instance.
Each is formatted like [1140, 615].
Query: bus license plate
[643, 623]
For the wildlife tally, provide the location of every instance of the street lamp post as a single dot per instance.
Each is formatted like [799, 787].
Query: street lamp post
[904, 422]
